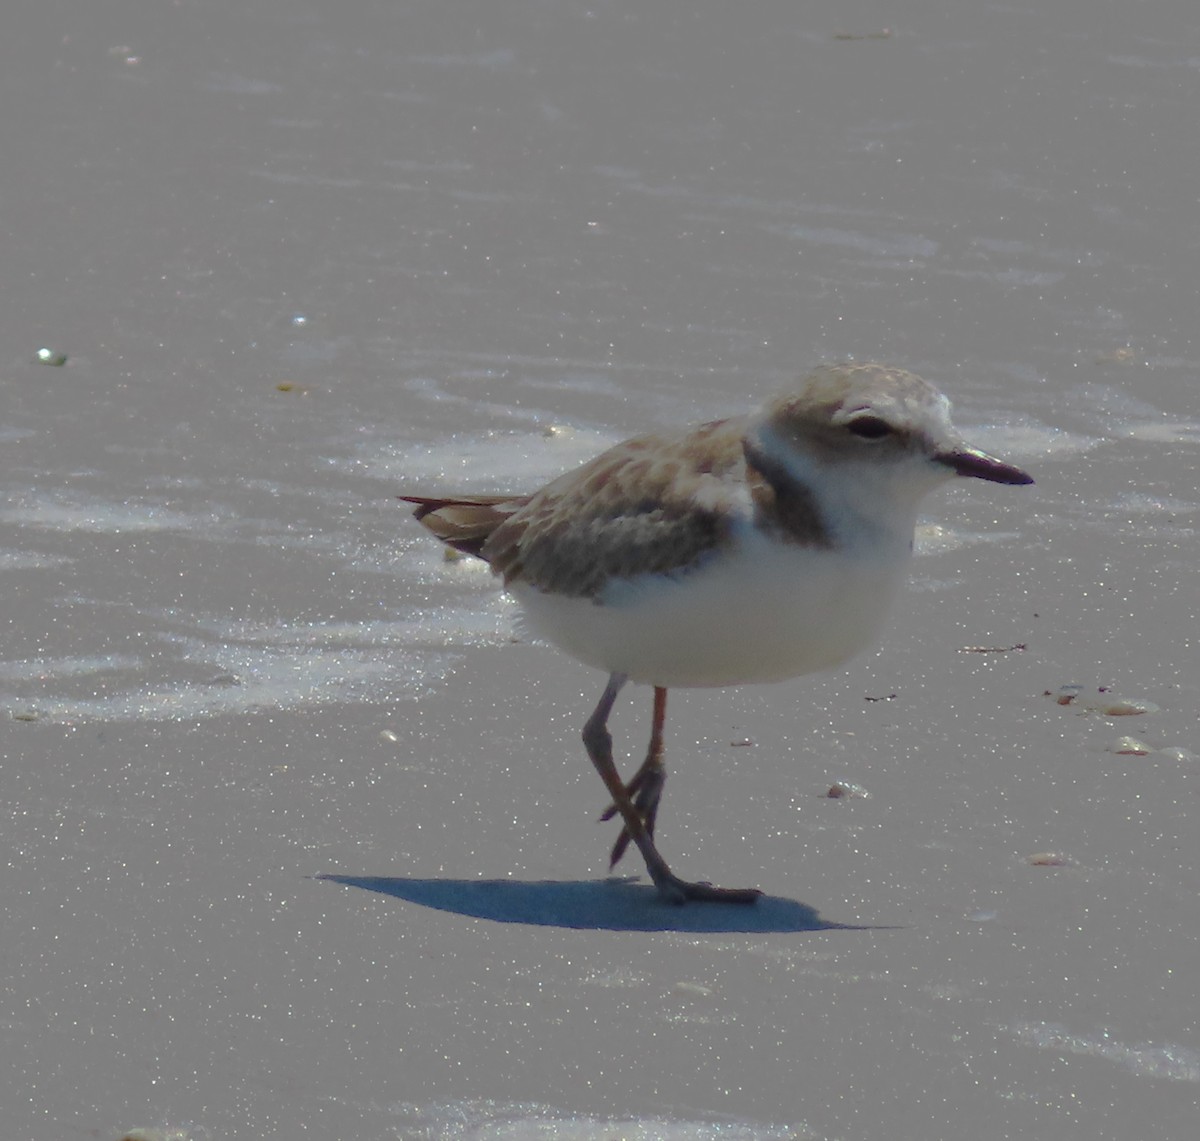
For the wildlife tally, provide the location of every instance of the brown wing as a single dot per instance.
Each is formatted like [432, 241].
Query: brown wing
[464, 523]
[656, 504]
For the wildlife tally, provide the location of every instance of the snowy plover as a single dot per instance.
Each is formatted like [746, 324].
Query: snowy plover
[752, 549]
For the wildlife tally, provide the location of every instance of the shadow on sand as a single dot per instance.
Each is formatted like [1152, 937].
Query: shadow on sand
[602, 905]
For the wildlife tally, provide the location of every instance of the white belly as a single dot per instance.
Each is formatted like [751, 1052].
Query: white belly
[765, 612]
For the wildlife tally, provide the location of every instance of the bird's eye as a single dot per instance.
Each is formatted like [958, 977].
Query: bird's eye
[869, 427]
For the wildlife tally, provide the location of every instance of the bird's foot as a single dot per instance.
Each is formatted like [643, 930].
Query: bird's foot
[674, 890]
[677, 891]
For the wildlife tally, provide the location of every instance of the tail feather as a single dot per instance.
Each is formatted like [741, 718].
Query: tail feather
[464, 523]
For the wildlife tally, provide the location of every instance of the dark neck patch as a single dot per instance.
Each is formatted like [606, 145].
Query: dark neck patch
[782, 504]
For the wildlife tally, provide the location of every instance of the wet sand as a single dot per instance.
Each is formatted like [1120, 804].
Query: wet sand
[300, 838]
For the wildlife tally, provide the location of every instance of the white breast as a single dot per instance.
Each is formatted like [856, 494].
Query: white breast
[759, 612]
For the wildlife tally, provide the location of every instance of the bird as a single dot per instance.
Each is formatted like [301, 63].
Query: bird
[756, 548]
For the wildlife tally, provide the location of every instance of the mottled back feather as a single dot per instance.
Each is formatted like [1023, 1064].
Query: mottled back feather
[655, 504]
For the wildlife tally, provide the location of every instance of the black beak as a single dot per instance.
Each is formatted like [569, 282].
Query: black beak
[973, 462]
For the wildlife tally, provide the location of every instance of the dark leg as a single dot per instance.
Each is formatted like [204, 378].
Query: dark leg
[647, 782]
[598, 741]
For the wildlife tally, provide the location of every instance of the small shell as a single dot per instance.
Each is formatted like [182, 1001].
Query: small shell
[1130, 747]
[1124, 707]
[1100, 702]
[1048, 860]
[1178, 753]
[1065, 694]
[847, 790]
